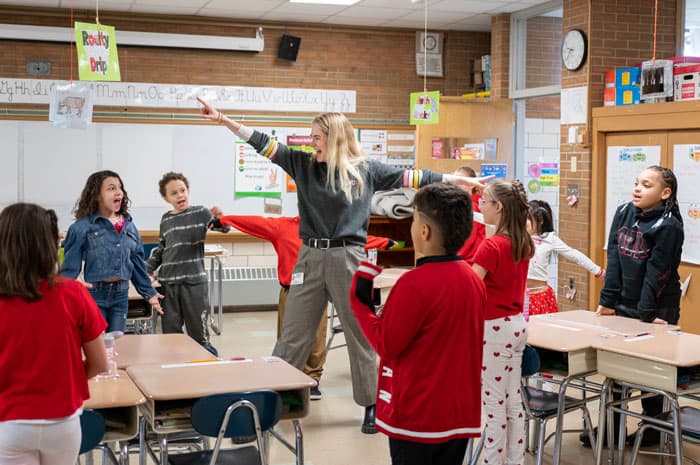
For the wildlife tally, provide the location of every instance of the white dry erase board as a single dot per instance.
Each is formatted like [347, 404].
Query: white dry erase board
[49, 166]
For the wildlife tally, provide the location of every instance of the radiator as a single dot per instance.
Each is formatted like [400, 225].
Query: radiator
[249, 286]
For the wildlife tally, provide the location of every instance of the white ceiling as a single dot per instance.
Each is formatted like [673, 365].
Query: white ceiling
[463, 15]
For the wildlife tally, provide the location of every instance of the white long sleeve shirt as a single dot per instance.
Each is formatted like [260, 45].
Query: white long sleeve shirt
[545, 246]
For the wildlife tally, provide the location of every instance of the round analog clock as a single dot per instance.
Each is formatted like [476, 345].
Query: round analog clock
[574, 49]
[429, 42]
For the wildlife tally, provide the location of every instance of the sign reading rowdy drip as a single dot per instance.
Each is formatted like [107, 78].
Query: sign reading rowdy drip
[97, 52]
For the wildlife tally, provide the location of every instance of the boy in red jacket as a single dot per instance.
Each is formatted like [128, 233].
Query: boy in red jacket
[429, 336]
[283, 233]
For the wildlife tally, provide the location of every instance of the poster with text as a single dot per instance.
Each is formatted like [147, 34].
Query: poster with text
[686, 166]
[302, 143]
[623, 166]
[425, 107]
[255, 175]
[96, 45]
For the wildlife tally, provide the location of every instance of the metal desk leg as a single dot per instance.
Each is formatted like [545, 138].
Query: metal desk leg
[164, 449]
[602, 416]
[142, 440]
[560, 419]
[622, 429]
[677, 431]
[216, 326]
[299, 442]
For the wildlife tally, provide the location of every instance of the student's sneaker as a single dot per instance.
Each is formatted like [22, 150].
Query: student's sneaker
[211, 349]
[315, 393]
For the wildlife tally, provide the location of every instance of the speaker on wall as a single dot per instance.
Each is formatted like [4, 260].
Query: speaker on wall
[289, 47]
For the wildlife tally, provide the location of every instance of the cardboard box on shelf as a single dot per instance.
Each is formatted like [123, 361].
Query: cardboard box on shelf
[609, 97]
[626, 95]
[686, 83]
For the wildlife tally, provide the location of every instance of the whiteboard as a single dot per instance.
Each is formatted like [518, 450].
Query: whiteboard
[49, 166]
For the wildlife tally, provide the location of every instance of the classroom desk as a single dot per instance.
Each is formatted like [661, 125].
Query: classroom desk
[140, 311]
[171, 390]
[572, 335]
[649, 363]
[133, 349]
[216, 286]
[117, 400]
[388, 277]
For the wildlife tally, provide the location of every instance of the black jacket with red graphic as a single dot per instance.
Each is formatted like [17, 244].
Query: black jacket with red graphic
[644, 251]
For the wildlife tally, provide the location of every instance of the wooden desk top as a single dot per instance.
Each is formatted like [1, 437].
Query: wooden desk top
[109, 393]
[388, 277]
[669, 347]
[551, 335]
[186, 381]
[137, 349]
[611, 324]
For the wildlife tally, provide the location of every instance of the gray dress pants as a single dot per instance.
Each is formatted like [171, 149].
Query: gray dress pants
[321, 275]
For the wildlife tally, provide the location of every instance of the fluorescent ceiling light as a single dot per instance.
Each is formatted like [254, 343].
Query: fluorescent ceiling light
[151, 39]
[326, 2]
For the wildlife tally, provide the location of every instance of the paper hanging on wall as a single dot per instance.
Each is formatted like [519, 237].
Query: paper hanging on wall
[96, 45]
[686, 166]
[425, 107]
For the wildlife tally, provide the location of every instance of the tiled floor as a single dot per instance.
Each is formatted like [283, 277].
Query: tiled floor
[332, 430]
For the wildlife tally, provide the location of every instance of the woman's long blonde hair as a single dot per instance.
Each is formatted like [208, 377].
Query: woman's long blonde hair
[344, 155]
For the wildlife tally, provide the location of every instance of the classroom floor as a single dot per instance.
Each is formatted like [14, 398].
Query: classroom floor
[332, 430]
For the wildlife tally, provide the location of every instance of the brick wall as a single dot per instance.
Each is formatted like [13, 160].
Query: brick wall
[500, 54]
[378, 64]
[621, 35]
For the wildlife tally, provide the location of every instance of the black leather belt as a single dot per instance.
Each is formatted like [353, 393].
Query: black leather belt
[325, 243]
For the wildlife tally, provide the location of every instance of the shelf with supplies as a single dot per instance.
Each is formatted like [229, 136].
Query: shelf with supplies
[397, 230]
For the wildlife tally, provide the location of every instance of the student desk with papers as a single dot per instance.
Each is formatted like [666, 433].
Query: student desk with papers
[171, 390]
[565, 342]
[117, 400]
[143, 349]
[650, 363]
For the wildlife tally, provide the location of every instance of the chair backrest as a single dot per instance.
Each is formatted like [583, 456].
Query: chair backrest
[208, 413]
[148, 248]
[531, 361]
[92, 426]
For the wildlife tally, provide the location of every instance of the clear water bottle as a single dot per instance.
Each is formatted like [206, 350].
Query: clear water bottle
[110, 348]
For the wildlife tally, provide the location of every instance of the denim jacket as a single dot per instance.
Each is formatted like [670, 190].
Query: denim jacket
[107, 254]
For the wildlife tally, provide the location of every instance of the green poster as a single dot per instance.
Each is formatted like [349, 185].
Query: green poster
[425, 107]
[97, 52]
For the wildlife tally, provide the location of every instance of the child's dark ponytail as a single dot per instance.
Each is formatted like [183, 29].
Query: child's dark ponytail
[668, 178]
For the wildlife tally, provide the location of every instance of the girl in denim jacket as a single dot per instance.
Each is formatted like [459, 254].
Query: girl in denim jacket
[106, 240]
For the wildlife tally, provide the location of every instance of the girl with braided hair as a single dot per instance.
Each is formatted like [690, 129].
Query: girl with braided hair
[644, 251]
[502, 262]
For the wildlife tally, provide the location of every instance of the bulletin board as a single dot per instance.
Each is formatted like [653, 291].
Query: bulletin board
[49, 166]
[627, 140]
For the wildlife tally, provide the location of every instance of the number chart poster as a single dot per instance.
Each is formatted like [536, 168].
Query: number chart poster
[623, 166]
[686, 166]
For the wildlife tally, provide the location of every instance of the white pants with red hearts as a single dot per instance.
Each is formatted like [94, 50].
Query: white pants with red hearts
[504, 341]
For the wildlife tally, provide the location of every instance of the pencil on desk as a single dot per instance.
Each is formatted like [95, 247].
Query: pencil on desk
[204, 360]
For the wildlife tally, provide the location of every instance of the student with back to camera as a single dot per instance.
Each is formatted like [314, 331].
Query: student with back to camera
[283, 233]
[179, 261]
[429, 336]
[106, 239]
[45, 323]
[540, 295]
[502, 262]
[334, 187]
[644, 252]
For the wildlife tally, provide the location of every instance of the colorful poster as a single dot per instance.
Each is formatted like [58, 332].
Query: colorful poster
[500, 170]
[425, 107]
[255, 175]
[542, 174]
[623, 166]
[374, 142]
[97, 52]
[296, 142]
[468, 152]
[437, 146]
[686, 166]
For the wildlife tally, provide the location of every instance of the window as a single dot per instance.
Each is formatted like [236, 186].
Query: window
[691, 30]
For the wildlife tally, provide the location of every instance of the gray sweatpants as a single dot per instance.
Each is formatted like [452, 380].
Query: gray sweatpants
[327, 275]
[188, 304]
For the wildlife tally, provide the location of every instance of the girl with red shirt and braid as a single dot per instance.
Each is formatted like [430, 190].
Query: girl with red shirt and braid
[502, 262]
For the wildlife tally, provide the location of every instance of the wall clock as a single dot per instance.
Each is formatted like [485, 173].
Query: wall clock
[574, 49]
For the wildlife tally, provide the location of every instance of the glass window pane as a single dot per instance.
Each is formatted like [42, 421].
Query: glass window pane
[691, 43]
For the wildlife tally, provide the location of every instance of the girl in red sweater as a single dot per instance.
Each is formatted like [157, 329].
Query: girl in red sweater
[502, 261]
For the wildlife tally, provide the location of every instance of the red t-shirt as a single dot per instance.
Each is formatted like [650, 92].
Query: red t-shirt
[505, 280]
[471, 245]
[43, 375]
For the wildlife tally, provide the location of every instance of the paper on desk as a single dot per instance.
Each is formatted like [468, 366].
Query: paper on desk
[639, 338]
[213, 248]
[199, 364]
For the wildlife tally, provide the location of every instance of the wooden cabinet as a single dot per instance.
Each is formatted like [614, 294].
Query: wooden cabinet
[398, 230]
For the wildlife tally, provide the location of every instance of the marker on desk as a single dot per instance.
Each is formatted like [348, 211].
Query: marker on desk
[639, 335]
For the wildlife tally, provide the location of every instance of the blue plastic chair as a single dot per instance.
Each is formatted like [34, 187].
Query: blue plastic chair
[243, 417]
[92, 426]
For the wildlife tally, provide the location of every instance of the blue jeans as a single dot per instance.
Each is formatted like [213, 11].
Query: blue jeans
[113, 300]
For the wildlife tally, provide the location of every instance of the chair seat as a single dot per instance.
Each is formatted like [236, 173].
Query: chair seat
[242, 456]
[545, 403]
[690, 421]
